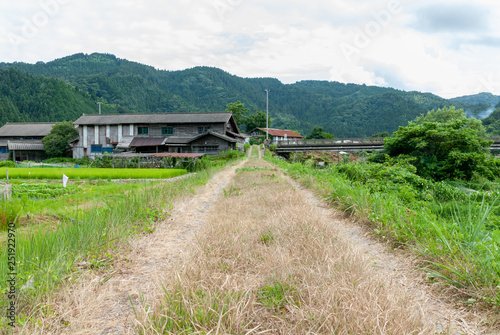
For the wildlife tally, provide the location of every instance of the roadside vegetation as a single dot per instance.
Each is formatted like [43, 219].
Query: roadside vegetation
[60, 232]
[433, 189]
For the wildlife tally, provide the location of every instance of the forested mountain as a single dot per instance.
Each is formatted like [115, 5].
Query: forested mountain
[492, 122]
[345, 110]
[485, 98]
[25, 98]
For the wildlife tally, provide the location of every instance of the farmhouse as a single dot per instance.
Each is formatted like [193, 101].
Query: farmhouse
[209, 133]
[24, 140]
[276, 134]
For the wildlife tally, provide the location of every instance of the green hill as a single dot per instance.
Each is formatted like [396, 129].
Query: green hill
[345, 110]
[485, 98]
[25, 98]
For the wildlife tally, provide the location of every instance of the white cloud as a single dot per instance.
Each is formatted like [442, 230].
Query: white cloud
[446, 47]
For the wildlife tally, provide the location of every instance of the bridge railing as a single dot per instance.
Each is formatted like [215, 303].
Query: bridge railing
[331, 141]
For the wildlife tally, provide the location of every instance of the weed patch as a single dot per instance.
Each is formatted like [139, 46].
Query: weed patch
[455, 230]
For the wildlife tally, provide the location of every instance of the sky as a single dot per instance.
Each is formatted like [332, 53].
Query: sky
[447, 47]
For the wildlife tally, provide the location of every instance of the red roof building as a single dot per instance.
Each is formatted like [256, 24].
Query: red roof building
[276, 134]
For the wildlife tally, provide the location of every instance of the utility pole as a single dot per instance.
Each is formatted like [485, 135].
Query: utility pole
[267, 112]
[99, 103]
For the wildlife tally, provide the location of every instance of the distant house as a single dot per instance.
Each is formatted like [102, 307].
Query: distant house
[209, 133]
[276, 134]
[24, 140]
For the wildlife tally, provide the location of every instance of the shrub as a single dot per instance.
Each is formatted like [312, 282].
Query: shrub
[443, 151]
[9, 164]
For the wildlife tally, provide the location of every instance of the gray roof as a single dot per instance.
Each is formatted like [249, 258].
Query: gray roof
[105, 119]
[125, 142]
[25, 145]
[216, 134]
[147, 141]
[186, 140]
[177, 140]
[36, 129]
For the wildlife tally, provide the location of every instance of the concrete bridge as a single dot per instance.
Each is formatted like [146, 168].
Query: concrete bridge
[286, 147]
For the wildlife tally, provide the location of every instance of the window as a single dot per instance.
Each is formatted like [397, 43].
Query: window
[167, 130]
[142, 130]
[96, 148]
[3, 150]
[203, 130]
[107, 150]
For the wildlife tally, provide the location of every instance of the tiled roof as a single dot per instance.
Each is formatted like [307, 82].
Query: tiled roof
[186, 140]
[147, 141]
[216, 134]
[178, 140]
[165, 118]
[237, 134]
[281, 133]
[124, 143]
[35, 129]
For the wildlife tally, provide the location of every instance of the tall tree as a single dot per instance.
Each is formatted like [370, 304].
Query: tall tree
[440, 151]
[239, 111]
[319, 132]
[257, 120]
[450, 114]
[56, 143]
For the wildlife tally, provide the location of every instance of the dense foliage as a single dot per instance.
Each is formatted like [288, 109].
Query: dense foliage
[25, 98]
[451, 114]
[56, 143]
[318, 132]
[239, 112]
[442, 145]
[453, 226]
[480, 98]
[346, 110]
[492, 122]
[441, 150]
[257, 119]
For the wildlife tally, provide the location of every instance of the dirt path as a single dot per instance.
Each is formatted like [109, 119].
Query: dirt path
[445, 317]
[322, 255]
[100, 304]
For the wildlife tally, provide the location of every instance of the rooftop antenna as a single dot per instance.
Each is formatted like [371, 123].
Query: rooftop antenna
[99, 103]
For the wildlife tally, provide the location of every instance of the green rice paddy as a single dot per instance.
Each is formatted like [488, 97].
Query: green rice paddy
[89, 173]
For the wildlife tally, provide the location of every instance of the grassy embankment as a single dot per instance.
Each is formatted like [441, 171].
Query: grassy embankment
[268, 261]
[454, 229]
[87, 223]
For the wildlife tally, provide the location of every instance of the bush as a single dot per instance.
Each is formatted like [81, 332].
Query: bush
[257, 140]
[442, 151]
[229, 154]
[246, 146]
[9, 164]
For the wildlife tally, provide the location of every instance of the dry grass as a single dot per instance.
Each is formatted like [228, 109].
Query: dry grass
[268, 261]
